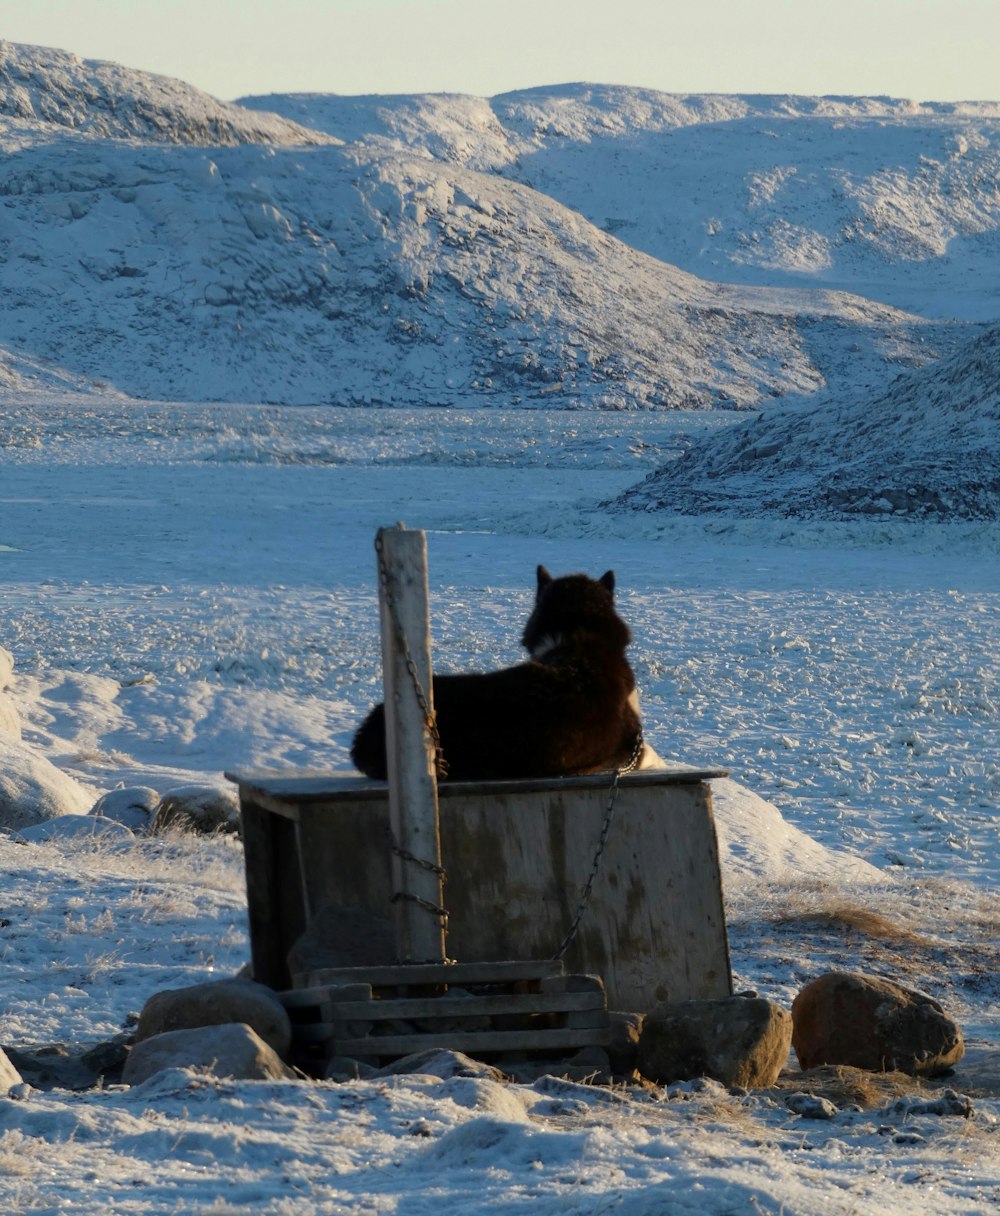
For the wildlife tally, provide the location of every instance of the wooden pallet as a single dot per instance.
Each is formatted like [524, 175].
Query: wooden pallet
[482, 1009]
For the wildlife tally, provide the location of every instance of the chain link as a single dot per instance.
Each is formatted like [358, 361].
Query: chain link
[602, 842]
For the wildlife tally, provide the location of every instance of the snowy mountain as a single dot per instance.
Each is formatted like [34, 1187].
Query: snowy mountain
[156, 243]
[896, 200]
[928, 447]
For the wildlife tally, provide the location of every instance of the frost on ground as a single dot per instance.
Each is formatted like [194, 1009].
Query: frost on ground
[190, 589]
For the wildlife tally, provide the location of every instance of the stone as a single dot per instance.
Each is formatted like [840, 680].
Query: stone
[231, 1050]
[623, 1044]
[437, 1062]
[135, 806]
[346, 1068]
[9, 1076]
[874, 1024]
[218, 1003]
[205, 809]
[737, 1041]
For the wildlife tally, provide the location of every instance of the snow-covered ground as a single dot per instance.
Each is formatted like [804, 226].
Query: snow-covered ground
[188, 589]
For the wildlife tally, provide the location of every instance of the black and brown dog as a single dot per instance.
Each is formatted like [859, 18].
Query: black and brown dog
[571, 708]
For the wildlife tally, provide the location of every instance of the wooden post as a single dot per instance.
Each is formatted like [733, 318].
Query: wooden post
[410, 752]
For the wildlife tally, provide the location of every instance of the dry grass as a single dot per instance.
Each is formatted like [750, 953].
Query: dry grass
[844, 1086]
[852, 918]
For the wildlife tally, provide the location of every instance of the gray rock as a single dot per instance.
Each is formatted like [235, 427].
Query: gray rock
[231, 1050]
[444, 1064]
[32, 789]
[737, 1041]
[871, 1023]
[623, 1045]
[218, 1003]
[811, 1106]
[205, 809]
[134, 806]
[344, 1068]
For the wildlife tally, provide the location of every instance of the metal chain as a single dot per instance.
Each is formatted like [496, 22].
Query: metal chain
[601, 845]
[430, 719]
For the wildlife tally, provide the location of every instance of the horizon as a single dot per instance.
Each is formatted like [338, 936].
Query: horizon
[919, 50]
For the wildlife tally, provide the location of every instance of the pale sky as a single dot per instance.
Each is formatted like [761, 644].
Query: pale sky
[927, 50]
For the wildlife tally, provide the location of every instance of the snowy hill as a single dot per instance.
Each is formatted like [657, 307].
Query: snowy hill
[928, 447]
[162, 245]
[893, 199]
[105, 100]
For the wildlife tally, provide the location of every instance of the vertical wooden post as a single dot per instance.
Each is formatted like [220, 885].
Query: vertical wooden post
[410, 752]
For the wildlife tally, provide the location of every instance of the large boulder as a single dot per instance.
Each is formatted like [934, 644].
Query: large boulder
[206, 809]
[218, 1003]
[33, 790]
[739, 1041]
[232, 1050]
[134, 806]
[875, 1024]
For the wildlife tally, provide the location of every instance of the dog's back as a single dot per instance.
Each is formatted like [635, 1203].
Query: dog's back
[568, 709]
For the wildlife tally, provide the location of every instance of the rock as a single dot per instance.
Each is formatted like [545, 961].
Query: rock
[811, 1106]
[623, 1046]
[32, 790]
[205, 809]
[218, 1003]
[65, 826]
[871, 1023]
[342, 937]
[10, 719]
[344, 1068]
[436, 1062]
[231, 1050]
[74, 1067]
[736, 1040]
[9, 1076]
[135, 806]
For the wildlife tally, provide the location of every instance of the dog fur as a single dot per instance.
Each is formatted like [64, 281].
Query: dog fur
[570, 708]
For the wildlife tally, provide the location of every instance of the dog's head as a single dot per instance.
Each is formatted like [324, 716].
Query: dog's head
[571, 605]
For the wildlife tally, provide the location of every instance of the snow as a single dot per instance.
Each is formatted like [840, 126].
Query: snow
[189, 587]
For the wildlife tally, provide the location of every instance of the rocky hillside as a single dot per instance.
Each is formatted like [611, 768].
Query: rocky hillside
[927, 447]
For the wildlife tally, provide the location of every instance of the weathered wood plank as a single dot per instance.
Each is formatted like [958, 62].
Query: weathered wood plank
[471, 1006]
[403, 974]
[410, 754]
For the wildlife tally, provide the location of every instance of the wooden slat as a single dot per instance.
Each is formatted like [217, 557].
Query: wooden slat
[403, 974]
[471, 1041]
[284, 791]
[471, 1006]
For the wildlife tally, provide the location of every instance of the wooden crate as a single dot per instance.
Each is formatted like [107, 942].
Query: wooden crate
[381, 1013]
[517, 855]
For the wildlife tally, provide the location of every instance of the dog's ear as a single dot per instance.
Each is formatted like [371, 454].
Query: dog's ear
[544, 578]
[608, 580]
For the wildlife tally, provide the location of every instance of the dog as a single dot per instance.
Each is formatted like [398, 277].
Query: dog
[570, 708]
